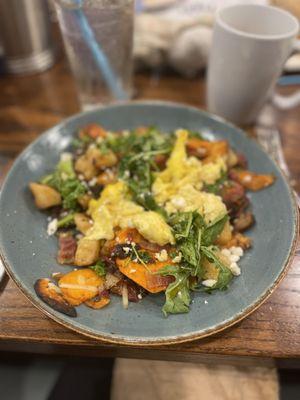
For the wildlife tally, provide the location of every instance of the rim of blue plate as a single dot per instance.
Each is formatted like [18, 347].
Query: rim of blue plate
[140, 342]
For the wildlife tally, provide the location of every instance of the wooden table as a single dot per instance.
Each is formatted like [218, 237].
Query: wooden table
[28, 106]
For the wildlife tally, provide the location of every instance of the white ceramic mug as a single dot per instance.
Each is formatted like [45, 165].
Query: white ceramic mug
[251, 43]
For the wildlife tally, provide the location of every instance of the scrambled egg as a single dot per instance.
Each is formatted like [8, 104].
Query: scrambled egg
[178, 187]
[188, 198]
[115, 208]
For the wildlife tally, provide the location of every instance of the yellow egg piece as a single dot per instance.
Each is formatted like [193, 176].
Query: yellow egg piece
[178, 187]
[115, 208]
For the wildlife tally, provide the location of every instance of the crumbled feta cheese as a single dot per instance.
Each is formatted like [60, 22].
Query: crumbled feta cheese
[235, 269]
[162, 256]
[52, 227]
[209, 282]
[81, 177]
[66, 156]
[177, 259]
[93, 182]
[226, 252]
[234, 258]
[126, 174]
[178, 202]
[237, 251]
[92, 146]
[140, 296]
[126, 249]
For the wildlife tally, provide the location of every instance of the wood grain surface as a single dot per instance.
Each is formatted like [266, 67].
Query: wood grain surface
[30, 105]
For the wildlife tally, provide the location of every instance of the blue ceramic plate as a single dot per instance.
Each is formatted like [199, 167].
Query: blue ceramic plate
[28, 253]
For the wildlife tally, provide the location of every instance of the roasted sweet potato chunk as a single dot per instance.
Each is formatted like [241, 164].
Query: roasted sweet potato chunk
[98, 303]
[80, 286]
[44, 195]
[51, 295]
[93, 131]
[251, 180]
[145, 276]
[87, 252]
[205, 150]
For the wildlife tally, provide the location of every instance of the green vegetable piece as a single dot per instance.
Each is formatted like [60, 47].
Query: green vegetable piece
[178, 297]
[65, 182]
[66, 221]
[99, 268]
[211, 233]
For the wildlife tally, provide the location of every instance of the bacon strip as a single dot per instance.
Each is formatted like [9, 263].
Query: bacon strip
[158, 281]
[67, 249]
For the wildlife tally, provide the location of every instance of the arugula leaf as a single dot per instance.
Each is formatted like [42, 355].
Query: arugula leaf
[138, 163]
[65, 182]
[212, 231]
[177, 293]
[225, 275]
[188, 230]
[99, 268]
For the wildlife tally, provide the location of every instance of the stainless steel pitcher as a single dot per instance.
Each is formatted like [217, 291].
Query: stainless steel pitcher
[26, 36]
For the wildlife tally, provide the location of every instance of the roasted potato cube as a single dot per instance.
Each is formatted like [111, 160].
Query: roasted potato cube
[106, 177]
[106, 160]
[83, 222]
[80, 286]
[225, 236]
[84, 201]
[85, 166]
[51, 295]
[44, 195]
[87, 252]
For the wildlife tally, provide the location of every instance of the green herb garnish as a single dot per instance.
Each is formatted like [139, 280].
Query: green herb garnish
[99, 268]
[177, 293]
[66, 221]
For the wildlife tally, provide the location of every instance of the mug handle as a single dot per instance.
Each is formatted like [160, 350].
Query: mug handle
[293, 100]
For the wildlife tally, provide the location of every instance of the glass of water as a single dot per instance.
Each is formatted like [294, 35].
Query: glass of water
[111, 23]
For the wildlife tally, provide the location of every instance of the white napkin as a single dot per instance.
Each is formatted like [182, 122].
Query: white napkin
[179, 36]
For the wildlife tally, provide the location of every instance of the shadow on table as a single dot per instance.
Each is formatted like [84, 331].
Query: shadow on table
[46, 378]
